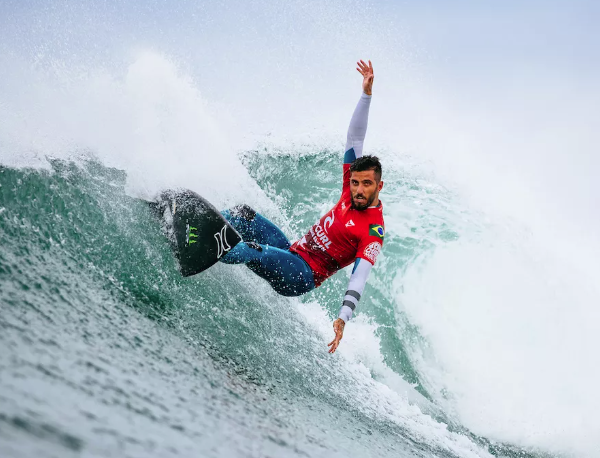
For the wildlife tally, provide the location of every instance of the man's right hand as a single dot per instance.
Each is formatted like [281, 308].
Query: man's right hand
[367, 72]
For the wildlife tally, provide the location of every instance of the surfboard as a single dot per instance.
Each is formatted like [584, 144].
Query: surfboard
[198, 234]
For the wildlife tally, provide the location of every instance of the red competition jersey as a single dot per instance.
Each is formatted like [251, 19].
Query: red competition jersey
[342, 235]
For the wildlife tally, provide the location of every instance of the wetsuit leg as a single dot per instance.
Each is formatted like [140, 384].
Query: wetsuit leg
[265, 250]
[288, 273]
[253, 227]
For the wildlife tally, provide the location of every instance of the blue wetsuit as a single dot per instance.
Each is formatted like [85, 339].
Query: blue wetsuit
[265, 250]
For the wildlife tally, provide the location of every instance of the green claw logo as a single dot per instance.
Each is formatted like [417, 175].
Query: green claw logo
[189, 234]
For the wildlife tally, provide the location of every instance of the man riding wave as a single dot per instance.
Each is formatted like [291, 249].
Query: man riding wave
[352, 231]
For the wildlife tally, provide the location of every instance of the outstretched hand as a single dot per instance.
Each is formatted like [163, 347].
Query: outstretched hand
[367, 72]
[338, 328]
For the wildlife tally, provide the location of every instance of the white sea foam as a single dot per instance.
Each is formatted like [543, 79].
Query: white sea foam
[383, 390]
[149, 119]
[511, 333]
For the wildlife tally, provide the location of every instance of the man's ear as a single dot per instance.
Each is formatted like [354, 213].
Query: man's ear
[380, 185]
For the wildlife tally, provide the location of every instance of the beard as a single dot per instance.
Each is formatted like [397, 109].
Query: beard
[362, 205]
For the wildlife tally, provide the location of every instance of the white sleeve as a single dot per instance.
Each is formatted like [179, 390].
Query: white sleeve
[358, 280]
[358, 126]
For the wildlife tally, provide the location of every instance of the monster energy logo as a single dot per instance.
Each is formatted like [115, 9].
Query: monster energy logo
[190, 235]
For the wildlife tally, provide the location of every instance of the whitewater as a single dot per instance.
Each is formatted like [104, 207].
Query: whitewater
[477, 334]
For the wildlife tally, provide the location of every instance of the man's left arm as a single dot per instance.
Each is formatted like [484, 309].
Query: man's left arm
[356, 286]
[367, 252]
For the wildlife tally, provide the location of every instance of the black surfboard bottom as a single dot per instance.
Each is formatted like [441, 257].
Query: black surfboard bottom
[198, 234]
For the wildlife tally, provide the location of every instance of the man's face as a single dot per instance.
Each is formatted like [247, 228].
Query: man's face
[364, 189]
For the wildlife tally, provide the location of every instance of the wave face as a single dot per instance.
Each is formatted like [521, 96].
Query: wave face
[109, 348]
[476, 334]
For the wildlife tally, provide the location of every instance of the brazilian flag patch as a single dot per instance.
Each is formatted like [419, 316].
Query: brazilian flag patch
[376, 230]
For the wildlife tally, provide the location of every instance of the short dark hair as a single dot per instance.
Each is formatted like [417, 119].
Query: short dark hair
[367, 163]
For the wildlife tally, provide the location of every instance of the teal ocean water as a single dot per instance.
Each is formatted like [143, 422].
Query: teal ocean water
[108, 351]
[477, 332]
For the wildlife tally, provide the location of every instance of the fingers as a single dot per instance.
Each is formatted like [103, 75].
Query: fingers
[363, 68]
[334, 347]
[334, 344]
[362, 64]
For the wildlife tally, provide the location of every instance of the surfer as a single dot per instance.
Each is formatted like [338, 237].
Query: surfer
[352, 231]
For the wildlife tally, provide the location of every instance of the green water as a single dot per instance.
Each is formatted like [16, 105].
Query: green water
[105, 350]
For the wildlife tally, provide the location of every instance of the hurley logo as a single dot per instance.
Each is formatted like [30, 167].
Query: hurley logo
[221, 238]
[350, 223]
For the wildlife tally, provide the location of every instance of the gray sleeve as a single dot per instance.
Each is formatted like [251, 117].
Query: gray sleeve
[358, 127]
[356, 286]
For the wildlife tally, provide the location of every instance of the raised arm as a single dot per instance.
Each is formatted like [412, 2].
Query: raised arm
[358, 124]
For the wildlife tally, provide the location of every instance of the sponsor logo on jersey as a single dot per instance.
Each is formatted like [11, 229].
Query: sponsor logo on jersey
[328, 221]
[350, 223]
[377, 230]
[372, 251]
[319, 237]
